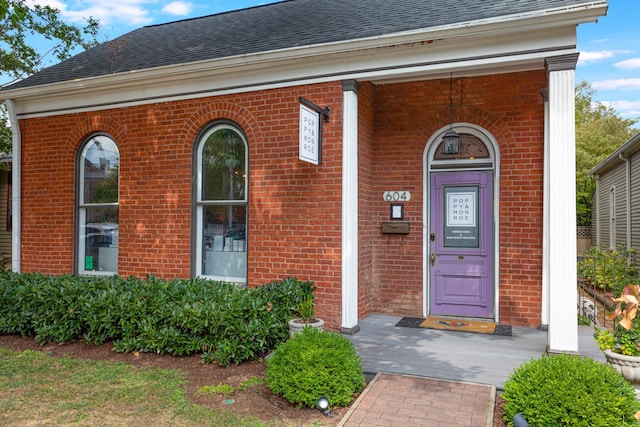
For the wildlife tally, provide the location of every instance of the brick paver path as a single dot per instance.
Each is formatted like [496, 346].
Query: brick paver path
[402, 400]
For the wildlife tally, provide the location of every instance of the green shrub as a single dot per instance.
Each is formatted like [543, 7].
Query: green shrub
[567, 390]
[179, 317]
[314, 364]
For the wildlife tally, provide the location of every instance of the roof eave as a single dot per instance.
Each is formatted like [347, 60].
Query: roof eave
[625, 151]
[586, 12]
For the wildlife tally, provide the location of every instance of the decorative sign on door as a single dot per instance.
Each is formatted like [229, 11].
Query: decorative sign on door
[461, 217]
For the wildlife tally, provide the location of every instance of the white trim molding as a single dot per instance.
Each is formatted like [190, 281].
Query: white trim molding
[350, 208]
[560, 186]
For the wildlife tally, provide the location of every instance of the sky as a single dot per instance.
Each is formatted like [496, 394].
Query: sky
[609, 58]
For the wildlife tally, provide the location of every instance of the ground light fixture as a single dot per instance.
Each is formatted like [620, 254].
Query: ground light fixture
[323, 405]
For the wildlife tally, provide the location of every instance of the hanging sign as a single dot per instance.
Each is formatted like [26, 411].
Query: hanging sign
[311, 131]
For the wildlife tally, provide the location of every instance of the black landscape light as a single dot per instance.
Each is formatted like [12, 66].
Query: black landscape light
[323, 405]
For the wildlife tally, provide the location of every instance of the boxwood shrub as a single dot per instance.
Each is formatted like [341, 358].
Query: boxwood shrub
[314, 364]
[179, 317]
[564, 390]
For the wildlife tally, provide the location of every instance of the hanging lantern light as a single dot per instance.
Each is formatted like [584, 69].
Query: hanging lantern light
[451, 140]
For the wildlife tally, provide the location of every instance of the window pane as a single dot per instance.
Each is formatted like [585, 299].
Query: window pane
[223, 166]
[224, 241]
[99, 239]
[101, 163]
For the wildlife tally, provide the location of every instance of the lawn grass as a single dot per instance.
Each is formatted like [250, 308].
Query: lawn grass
[38, 389]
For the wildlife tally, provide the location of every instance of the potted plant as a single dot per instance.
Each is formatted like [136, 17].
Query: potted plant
[306, 317]
[621, 345]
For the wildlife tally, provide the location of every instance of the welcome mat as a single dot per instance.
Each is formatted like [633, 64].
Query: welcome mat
[449, 324]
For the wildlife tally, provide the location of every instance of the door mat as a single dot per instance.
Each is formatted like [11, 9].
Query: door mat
[449, 324]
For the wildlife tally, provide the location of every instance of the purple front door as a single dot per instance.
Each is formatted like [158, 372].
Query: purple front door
[460, 259]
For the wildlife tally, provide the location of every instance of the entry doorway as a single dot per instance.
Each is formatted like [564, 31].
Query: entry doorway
[461, 193]
[461, 236]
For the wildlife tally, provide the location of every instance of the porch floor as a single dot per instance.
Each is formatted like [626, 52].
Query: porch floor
[426, 377]
[451, 355]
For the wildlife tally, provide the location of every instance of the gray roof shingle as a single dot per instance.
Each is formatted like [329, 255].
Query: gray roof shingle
[274, 26]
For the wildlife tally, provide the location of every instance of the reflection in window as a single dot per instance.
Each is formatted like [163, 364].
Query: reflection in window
[221, 243]
[98, 196]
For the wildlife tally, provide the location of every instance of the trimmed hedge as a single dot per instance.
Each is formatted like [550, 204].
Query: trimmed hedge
[179, 317]
[314, 364]
[566, 390]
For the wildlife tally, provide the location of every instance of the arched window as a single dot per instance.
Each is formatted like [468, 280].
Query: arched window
[98, 197]
[221, 204]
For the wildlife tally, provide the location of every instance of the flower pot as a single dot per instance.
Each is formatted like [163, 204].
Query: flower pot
[627, 366]
[297, 325]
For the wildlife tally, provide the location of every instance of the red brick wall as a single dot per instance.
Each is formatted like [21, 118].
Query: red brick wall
[294, 207]
[406, 116]
[366, 204]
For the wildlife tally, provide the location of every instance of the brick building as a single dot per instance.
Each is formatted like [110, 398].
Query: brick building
[177, 150]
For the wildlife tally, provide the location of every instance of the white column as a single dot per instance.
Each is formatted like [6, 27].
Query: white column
[16, 187]
[563, 324]
[350, 208]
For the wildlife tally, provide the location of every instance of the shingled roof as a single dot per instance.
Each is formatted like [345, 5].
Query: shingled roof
[283, 25]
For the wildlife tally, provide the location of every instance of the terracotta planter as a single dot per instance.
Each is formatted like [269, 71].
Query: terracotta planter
[627, 366]
[296, 325]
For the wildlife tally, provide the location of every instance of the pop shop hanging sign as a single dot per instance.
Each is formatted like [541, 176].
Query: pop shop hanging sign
[311, 118]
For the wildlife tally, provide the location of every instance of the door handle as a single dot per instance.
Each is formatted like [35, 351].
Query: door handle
[433, 259]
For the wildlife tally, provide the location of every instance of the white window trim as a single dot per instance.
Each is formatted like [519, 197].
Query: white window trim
[82, 208]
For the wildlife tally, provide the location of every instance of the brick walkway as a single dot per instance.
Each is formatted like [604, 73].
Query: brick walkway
[402, 400]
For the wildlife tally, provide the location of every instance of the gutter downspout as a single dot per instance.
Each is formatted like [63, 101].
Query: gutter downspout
[16, 186]
[627, 196]
[597, 208]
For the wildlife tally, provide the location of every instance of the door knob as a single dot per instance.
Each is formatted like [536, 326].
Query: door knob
[433, 259]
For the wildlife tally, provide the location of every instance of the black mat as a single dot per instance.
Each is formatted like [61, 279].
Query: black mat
[415, 322]
[504, 330]
[410, 322]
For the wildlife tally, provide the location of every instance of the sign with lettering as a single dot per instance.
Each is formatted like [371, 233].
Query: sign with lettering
[310, 135]
[461, 217]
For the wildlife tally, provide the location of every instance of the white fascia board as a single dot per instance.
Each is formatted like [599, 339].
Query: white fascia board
[500, 45]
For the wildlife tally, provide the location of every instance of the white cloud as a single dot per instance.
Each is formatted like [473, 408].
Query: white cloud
[587, 57]
[178, 8]
[128, 12]
[629, 64]
[617, 84]
[628, 109]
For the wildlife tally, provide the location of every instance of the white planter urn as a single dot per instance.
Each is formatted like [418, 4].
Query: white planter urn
[297, 325]
[627, 366]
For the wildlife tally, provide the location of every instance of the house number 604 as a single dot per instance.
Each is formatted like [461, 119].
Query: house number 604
[396, 196]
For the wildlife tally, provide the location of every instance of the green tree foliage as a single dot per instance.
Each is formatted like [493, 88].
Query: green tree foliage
[599, 132]
[22, 25]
